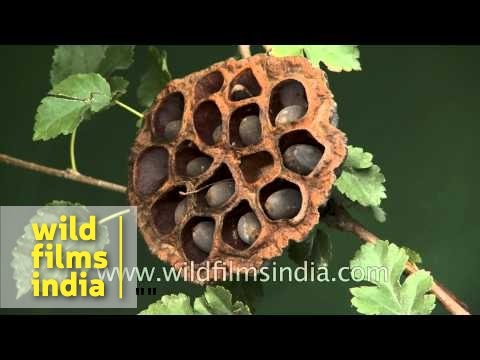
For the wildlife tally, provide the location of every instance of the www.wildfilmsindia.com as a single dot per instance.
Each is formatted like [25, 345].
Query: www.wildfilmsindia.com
[308, 272]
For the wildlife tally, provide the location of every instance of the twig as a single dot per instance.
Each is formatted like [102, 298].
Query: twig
[66, 174]
[244, 51]
[343, 221]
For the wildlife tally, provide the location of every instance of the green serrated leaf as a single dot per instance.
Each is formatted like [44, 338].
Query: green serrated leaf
[67, 104]
[218, 301]
[358, 158]
[413, 256]
[364, 186]
[75, 59]
[316, 248]
[117, 57]
[335, 57]
[156, 77]
[379, 214]
[361, 180]
[82, 59]
[170, 305]
[22, 263]
[118, 86]
[389, 296]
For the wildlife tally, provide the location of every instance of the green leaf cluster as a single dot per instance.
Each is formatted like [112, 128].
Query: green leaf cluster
[82, 84]
[216, 300]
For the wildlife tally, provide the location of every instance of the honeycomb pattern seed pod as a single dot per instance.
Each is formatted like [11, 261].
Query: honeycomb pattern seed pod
[210, 104]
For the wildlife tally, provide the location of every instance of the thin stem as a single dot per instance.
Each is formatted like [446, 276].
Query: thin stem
[244, 51]
[341, 220]
[65, 174]
[128, 108]
[73, 163]
[113, 216]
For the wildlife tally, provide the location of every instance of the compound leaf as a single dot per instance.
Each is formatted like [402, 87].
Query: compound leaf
[389, 296]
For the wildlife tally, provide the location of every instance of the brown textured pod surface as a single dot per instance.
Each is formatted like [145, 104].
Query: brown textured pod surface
[223, 95]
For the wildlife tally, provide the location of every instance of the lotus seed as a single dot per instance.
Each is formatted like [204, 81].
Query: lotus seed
[283, 204]
[180, 211]
[198, 166]
[217, 134]
[202, 235]
[172, 129]
[290, 114]
[302, 158]
[248, 227]
[219, 193]
[250, 130]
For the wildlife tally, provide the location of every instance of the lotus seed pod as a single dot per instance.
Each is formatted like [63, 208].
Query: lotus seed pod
[250, 130]
[219, 193]
[172, 129]
[202, 235]
[239, 92]
[302, 158]
[180, 211]
[292, 94]
[290, 114]
[283, 204]
[198, 166]
[224, 94]
[248, 227]
[217, 134]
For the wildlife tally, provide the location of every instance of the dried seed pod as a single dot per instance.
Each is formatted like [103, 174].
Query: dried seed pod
[172, 129]
[217, 134]
[180, 211]
[290, 114]
[221, 96]
[202, 235]
[302, 158]
[248, 227]
[250, 130]
[283, 204]
[219, 193]
[198, 166]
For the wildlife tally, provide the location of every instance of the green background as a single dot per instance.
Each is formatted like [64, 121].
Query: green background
[416, 108]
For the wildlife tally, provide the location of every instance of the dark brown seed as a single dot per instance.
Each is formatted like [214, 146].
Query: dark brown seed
[172, 129]
[180, 211]
[248, 227]
[198, 166]
[250, 130]
[283, 204]
[302, 158]
[219, 193]
[290, 114]
[202, 235]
